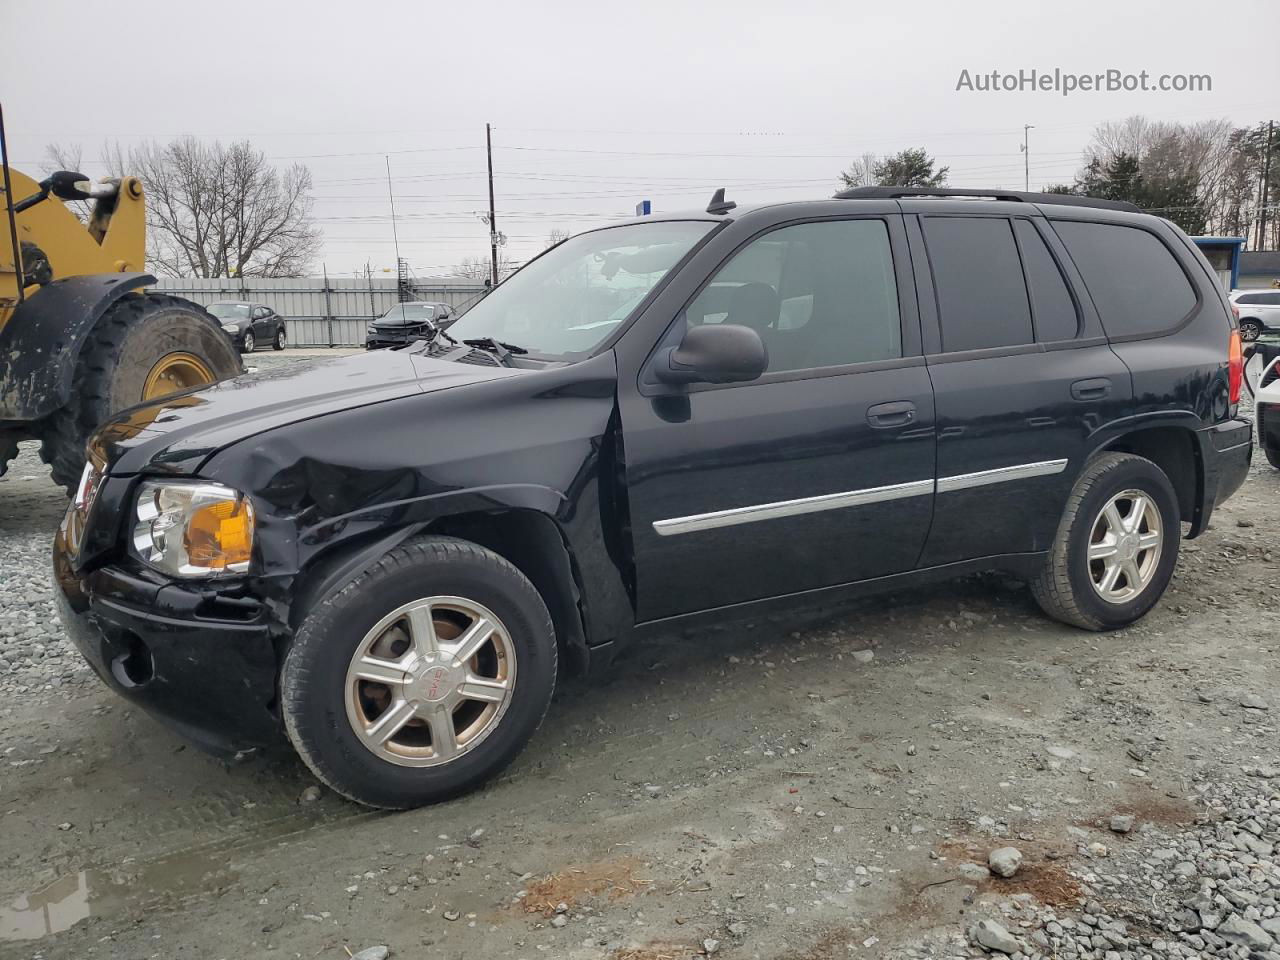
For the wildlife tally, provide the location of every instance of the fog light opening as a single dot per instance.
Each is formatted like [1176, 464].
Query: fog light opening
[134, 667]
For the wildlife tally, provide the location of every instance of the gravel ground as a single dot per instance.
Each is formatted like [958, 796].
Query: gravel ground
[852, 784]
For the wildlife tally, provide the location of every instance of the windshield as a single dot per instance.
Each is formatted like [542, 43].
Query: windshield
[573, 297]
[228, 309]
[410, 311]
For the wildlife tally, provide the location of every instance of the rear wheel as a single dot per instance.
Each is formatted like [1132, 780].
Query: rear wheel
[146, 346]
[1116, 546]
[422, 677]
[279, 342]
[1273, 457]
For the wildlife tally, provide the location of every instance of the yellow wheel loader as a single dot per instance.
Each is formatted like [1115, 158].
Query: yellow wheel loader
[80, 338]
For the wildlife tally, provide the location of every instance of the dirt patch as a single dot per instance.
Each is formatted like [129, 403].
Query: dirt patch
[657, 951]
[614, 880]
[1045, 875]
[832, 944]
[1162, 811]
[1049, 882]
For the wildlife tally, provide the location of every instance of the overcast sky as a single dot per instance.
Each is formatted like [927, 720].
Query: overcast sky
[596, 106]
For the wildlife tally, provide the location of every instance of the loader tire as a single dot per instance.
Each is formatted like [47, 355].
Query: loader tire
[144, 347]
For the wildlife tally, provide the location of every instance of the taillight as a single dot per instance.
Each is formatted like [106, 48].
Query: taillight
[1235, 367]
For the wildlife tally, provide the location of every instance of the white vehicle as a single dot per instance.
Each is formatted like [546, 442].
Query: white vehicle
[1259, 312]
[1267, 411]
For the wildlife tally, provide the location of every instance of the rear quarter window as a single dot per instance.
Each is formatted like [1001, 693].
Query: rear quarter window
[1135, 282]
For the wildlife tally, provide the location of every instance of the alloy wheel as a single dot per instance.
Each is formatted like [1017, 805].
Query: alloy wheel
[430, 681]
[1125, 546]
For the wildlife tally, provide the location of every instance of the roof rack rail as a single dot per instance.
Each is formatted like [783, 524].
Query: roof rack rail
[1065, 199]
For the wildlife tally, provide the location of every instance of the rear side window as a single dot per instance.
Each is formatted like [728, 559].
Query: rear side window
[1136, 284]
[1262, 299]
[982, 299]
[1052, 308]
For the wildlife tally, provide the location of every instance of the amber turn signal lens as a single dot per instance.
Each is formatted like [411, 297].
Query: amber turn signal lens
[219, 536]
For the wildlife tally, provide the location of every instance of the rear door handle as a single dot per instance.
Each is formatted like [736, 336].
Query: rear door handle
[897, 413]
[1094, 389]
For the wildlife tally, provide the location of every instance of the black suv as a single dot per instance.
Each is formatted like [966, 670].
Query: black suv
[707, 415]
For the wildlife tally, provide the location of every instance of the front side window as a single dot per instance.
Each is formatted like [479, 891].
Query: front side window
[977, 274]
[819, 294]
[572, 298]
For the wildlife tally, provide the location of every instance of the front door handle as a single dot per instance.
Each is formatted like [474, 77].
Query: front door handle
[897, 413]
[1094, 389]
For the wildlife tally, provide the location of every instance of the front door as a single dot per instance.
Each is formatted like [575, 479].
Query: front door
[818, 473]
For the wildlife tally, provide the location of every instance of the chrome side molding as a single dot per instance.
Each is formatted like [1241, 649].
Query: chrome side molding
[854, 498]
[1021, 471]
[792, 508]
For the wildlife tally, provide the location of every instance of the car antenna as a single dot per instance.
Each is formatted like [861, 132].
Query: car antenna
[719, 204]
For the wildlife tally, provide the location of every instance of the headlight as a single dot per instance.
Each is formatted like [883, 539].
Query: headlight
[193, 529]
[231, 327]
[371, 329]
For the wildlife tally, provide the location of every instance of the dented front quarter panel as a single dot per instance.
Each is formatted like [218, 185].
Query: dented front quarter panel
[506, 439]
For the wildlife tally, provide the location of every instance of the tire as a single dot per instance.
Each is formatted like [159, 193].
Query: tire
[124, 347]
[279, 341]
[1273, 457]
[1065, 588]
[247, 343]
[1250, 330]
[316, 692]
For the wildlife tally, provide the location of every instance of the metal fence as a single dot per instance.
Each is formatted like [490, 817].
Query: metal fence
[320, 314]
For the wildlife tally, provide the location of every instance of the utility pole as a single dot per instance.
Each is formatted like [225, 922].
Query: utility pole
[392, 197]
[1266, 183]
[1026, 157]
[493, 217]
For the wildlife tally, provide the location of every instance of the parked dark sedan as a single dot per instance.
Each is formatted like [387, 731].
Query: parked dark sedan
[250, 325]
[407, 322]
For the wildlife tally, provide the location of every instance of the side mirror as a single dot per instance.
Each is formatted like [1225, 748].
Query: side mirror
[714, 353]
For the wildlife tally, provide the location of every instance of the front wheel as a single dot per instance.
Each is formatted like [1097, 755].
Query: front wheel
[1116, 546]
[422, 677]
[247, 344]
[1273, 457]
[145, 347]
[1250, 330]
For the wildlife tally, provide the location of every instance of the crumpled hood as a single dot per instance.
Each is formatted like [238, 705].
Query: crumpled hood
[177, 434]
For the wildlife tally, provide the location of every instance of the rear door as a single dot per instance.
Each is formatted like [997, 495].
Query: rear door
[1022, 376]
[818, 473]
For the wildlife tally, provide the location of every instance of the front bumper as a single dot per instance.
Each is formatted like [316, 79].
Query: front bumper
[201, 664]
[391, 337]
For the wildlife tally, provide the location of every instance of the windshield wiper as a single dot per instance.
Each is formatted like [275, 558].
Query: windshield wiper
[502, 351]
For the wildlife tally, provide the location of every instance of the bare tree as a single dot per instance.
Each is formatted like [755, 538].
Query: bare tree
[478, 268]
[558, 235]
[215, 211]
[861, 172]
